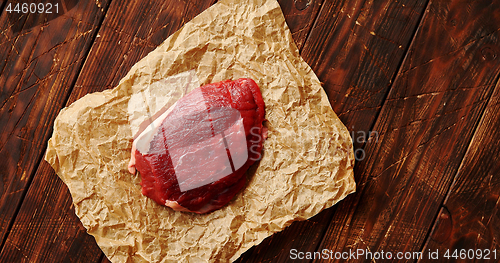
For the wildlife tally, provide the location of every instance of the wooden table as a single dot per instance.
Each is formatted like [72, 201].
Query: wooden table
[416, 83]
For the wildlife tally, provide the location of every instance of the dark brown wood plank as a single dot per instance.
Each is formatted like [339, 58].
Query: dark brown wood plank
[425, 127]
[470, 217]
[40, 57]
[357, 68]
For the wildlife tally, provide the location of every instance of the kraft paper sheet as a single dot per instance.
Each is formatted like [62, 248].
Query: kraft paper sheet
[307, 163]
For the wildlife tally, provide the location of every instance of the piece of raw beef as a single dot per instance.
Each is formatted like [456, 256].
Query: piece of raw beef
[195, 158]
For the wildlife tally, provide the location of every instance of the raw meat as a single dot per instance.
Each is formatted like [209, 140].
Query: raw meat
[195, 157]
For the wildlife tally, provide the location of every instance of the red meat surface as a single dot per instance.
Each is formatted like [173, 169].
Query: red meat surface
[197, 158]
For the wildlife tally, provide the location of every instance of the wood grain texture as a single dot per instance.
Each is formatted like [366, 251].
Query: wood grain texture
[470, 217]
[46, 228]
[342, 36]
[300, 16]
[40, 57]
[425, 126]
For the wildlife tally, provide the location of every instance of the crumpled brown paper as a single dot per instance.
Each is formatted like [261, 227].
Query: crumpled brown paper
[306, 166]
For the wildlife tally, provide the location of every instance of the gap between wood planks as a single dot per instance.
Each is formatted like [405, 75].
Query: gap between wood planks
[44, 147]
[3, 5]
[308, 35]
